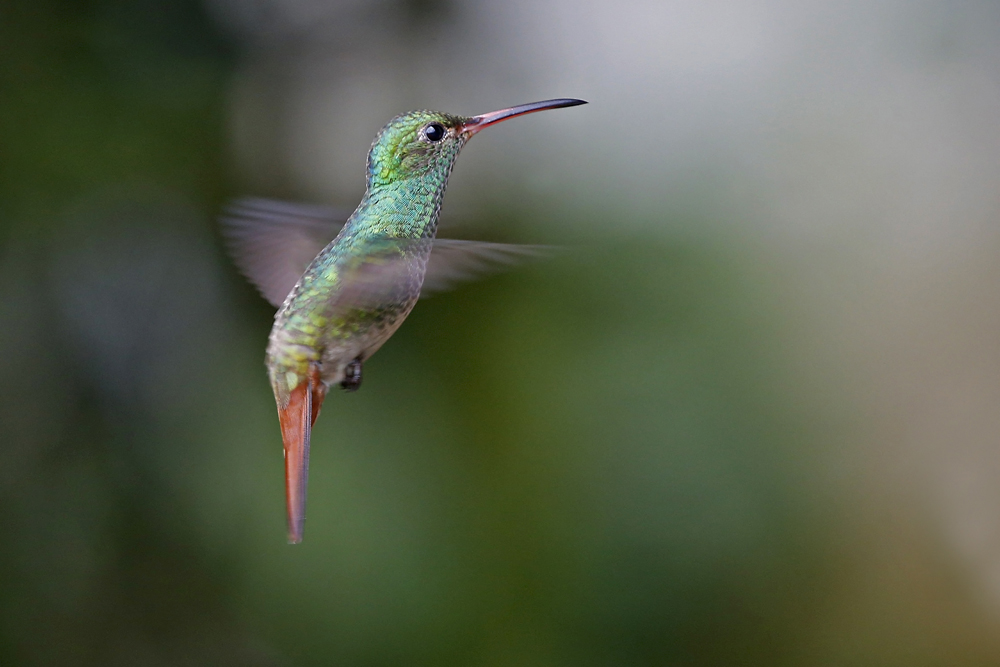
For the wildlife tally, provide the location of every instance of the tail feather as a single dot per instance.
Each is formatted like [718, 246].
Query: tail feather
[297, 419]
[318, 390]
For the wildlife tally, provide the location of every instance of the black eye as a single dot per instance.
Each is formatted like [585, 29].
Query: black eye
[434, 132]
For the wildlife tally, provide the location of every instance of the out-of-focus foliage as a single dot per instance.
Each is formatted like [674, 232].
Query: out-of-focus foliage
[747, 417]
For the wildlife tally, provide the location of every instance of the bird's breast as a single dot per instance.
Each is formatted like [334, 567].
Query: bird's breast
[340, 311]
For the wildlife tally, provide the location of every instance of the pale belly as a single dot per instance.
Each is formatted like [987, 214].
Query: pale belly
[350, 323]
[339, 352]
[333, 344]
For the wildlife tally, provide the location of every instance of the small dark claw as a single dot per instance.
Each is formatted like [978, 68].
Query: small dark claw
[352, 376]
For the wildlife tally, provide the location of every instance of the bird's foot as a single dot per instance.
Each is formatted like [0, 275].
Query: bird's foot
[352, 376]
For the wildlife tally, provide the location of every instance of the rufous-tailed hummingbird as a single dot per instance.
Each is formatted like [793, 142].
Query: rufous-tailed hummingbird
[339, 303]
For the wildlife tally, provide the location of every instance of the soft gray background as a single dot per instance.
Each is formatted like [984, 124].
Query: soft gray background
[751, 417]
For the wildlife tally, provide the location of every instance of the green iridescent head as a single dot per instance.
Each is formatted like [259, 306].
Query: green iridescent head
[419, 143]
[415, 143]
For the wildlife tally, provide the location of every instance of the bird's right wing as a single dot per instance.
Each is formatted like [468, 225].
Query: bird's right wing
[272, 242]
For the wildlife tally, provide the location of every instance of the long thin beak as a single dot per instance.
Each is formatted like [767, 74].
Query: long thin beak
[476, 123]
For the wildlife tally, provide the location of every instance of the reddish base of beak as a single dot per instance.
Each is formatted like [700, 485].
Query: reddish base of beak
[297, 419]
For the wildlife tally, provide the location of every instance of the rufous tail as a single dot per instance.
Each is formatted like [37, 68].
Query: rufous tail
[297, 419]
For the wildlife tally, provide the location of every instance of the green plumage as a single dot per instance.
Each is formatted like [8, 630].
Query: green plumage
[358, 290]
[339, 306]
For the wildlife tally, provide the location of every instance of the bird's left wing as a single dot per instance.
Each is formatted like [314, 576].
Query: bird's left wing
[386, 272]
[453, 261]
[272, 242]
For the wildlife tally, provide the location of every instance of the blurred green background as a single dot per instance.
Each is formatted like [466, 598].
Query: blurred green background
[749, 418]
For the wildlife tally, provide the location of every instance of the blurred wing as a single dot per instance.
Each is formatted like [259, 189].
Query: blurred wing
[385, 276]
[390, 270]
[453, 261]
[272, 242]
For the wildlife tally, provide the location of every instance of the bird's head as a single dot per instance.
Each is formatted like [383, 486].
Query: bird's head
[413, 144]
[421, 142]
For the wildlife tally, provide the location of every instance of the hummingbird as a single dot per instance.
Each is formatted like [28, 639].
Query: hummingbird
[339, 300]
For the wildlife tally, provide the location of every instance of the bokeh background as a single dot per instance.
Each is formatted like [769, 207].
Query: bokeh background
[750, 417]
